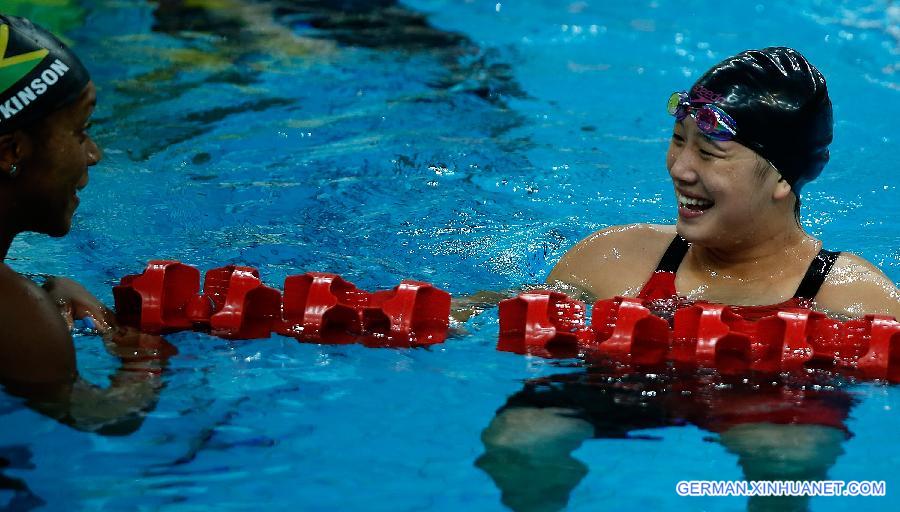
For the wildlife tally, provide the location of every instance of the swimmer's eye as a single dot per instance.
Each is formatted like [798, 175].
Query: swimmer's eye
[678, 139]
[86, 129]
[708, 155]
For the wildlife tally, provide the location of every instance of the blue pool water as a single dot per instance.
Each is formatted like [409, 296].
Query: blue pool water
[465, 143]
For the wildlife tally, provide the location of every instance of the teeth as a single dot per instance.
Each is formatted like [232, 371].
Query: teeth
[689, 201]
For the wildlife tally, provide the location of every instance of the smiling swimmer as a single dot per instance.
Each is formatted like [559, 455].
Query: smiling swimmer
[747, 136]
[46, 100]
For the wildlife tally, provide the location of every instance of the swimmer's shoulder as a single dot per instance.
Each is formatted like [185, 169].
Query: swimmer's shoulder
[35, 344]
[616, 260]
[855, 287]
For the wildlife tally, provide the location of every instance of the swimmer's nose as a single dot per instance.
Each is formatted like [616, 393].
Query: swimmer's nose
[94, 153]
[682, 169]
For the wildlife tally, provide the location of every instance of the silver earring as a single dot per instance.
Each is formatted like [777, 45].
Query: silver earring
[13, 170]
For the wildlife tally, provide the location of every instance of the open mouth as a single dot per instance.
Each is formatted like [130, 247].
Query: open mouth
[693, 203]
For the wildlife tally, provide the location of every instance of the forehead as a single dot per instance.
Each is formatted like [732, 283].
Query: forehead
[89, 94]
[78, 109]
[88, 97]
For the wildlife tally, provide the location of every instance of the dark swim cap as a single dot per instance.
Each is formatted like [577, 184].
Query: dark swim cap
[780, 104]
[38, 73]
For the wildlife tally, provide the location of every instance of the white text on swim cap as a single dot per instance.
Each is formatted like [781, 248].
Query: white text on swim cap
[32, 91]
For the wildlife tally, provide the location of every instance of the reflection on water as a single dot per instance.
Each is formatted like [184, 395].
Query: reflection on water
[15, 496]
[236, 42]
[57, 16]
[780, 430]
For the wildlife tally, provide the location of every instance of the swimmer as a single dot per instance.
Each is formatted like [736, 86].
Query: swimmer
[46, 101]
[747, 136]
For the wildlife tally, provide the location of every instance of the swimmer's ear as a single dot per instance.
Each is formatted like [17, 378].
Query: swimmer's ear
[10, 152]
[782, 190]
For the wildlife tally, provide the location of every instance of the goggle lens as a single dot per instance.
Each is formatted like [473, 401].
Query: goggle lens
[706, 120]
[674, 103]
[710, 119]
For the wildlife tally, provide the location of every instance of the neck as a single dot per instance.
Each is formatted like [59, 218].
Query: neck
[8, 229]
[745, 259]
[5, 242]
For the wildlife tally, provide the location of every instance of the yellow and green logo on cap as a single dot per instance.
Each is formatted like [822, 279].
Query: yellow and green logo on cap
[12, 69]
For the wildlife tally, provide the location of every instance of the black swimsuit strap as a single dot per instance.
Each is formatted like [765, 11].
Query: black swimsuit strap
[671, 260]
[816, 273]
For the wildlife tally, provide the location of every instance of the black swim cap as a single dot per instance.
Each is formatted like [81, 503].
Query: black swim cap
[780, 104]
[38, 73]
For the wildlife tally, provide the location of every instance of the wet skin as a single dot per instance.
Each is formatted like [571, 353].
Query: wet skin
[747, 248]
[37, 355]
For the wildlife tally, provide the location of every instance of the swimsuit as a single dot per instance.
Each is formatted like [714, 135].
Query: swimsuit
[663, 299]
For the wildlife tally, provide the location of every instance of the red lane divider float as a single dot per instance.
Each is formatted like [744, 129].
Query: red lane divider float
[315, 307]
[550, 324]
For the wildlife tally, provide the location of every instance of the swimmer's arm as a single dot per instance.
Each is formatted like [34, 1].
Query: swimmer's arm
[464, 307]
[35, 345]
[37, 362]
[855, 287]
[118, 409]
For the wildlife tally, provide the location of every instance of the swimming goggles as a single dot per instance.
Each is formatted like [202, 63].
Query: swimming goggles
[710, 119]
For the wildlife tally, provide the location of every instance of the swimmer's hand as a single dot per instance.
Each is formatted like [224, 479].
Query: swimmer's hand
[76, 303]
[464, 308]
[139, 352]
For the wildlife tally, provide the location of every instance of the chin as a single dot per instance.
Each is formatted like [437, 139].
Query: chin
[699, 235]
[58, 230]
[58, 233]
[692, 234]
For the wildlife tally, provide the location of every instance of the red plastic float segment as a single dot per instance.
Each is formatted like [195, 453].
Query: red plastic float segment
[217, 283]
[882, 359]
[413, 313]
[156, 300]
[782, 340]
[322, 307]
[199, 310]
[626, 330]
[244, 307]
[712, 336]
[844, 349]
[543, 323]
[826, 338]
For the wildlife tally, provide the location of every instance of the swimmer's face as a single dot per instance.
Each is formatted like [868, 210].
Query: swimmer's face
[54, 166]
[721, 197]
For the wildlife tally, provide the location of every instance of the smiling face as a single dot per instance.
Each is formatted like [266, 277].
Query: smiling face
[723, 200]
[53, 167]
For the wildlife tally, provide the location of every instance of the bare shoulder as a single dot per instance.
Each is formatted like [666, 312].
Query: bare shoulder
[614, 261]
[35, 344]
[855, 287]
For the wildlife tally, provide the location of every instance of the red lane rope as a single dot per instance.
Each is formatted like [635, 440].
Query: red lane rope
[550, 324]
[315, 307]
